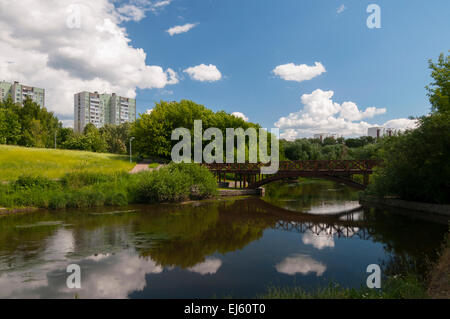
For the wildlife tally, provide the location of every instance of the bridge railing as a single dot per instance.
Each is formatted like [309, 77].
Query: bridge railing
[319, 165]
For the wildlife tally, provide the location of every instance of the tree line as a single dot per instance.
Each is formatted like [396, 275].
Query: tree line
[33, 126]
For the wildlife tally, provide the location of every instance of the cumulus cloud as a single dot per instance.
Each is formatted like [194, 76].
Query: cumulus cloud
[67, 48]
[401, 124]
[181, 28]
[318, 242]
[302, 264]
[240, 115]
[299, 73]
[341, 9]
[204, 73]
[321, 114]
[208, 267]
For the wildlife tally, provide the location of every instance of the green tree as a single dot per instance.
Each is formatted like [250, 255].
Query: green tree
[439, 89]
[9, 127]
[329, 141]
[416, 163]
[117, 137]
[153, 131]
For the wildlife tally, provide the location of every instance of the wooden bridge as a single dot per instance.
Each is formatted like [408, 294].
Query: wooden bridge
[248, 175]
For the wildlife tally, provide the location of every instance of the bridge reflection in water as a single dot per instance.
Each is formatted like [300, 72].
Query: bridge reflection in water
[248, 175]
[324, 229]
[339, 224]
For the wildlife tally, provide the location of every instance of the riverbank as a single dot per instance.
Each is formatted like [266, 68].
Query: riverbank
[398, 287]
[8, 211]
[443, 210]
[241, 192]
[439, 287]
[81, 189]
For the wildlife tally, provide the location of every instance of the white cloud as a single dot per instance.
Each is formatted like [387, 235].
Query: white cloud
[67, 123]
[136, 9]
[321, 114]
[131, 12]
[302, 264]
[240, 115]
[318, 242]
[161, 4]
[341, 9]
[208, 267]
[401, 124]
[149, 111]
[299, 73]
[181, 28]
[204, 73]
[41, 47]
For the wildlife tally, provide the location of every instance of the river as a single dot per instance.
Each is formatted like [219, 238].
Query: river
[307, 233]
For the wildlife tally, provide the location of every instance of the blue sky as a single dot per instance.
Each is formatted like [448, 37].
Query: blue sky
[245, 40]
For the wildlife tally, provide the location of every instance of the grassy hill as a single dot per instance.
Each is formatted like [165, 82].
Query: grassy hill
[16, 161]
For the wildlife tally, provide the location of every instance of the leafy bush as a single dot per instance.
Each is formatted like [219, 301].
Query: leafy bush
[116, 198]
[202, 183]
[28, 182]
[58, 200]
[175, 182]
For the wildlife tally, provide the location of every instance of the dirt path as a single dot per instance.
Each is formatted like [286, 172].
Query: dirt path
[144, 166]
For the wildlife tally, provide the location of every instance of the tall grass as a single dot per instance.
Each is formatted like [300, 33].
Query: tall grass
[17, 161]
[398, 287]
[80, 189]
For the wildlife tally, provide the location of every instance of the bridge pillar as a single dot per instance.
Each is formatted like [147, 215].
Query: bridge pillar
[366, 179]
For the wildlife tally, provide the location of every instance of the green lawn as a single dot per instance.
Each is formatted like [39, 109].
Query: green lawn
[16, 161]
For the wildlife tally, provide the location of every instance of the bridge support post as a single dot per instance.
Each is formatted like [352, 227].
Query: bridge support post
[366, 179]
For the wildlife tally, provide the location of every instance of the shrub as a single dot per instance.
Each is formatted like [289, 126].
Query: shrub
[202, 183]
[28, 182]
[58, 200]
[175, 182]
[116, 198]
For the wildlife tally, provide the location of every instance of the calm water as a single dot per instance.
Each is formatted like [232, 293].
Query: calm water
[233, 247]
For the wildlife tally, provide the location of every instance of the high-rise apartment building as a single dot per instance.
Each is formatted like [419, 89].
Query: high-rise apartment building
[101, 109]
[20, 92]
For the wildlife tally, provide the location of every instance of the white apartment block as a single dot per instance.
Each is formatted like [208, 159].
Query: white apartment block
[379, 131]
[101, 109]
[19, 93]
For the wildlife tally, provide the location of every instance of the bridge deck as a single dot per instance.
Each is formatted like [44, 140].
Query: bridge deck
[248, 175]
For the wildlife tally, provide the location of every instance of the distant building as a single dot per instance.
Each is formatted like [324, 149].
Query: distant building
[101, 109]
[322, 136]
[379, 131]
[20, 92]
